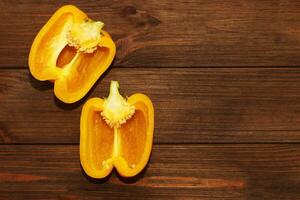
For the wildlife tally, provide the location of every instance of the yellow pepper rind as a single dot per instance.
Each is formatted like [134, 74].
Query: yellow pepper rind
[91, 105]
[49, 43]
[120, 164]
[37, 40]
[60, 89]
[116, 160]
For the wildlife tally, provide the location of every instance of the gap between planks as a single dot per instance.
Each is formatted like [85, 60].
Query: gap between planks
[164, 144]
[187, 67]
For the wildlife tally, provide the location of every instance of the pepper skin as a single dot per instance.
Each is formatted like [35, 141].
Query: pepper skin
[116, 132]
[72, 51]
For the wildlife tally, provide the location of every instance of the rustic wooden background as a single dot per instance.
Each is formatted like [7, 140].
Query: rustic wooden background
[224, 78]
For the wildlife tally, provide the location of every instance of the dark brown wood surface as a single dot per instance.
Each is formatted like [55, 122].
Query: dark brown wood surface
[174, 172]
[175, 33]
[224, 80]
[191, 105]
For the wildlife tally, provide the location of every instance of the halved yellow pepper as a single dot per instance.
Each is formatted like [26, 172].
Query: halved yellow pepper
[72, 51]
[116, 132]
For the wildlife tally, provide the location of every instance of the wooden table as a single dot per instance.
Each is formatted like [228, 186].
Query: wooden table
[224, 80]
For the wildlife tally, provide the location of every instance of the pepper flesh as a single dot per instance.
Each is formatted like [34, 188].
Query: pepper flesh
[72, 51]
[125, 146]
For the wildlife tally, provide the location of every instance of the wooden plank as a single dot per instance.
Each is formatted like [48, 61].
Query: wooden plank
[175, 33]
[191, 105]
[174, 172]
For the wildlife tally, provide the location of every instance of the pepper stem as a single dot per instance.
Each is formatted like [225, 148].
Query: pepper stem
[116, 109]
[85, 36]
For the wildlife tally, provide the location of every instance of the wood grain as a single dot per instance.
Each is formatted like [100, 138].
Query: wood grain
[224, 81]
[175, 172]
[191, 105]
[166, 33]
